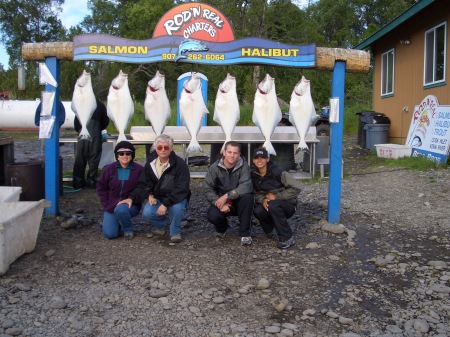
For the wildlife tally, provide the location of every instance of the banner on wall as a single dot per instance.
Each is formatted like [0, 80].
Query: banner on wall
[193, 33]
[429, 132]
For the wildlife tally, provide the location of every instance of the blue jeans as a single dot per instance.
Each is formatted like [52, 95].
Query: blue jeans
[176, 213]
[120, 219]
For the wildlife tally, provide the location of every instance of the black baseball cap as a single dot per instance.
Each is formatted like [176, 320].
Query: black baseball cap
[261, 152]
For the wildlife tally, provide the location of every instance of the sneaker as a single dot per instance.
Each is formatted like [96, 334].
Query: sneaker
[160, 232]
[286, 244]
[128, 235]
[220, 235]
[176, 238]
[246, 240]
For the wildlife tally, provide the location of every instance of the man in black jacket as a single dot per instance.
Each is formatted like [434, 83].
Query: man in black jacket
[164, 184]
[89, 152]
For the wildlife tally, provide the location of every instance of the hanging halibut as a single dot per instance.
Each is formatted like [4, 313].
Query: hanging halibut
[156, 105]
[301, 110]
[226, 110]
[84, 103]
[192, 110]
[266, 111]
[120, 104]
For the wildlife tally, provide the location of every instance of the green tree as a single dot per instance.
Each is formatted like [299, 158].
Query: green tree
[29, 21]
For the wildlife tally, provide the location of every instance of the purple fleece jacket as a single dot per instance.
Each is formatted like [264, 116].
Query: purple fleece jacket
[111, 190]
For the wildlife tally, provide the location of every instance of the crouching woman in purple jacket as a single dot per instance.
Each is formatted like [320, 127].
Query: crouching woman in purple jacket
[118, 179]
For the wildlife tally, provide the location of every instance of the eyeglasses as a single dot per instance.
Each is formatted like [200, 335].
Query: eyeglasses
[124, 154]
[160, 148]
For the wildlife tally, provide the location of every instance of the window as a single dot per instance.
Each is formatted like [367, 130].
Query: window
[387, 73]
[435, 54]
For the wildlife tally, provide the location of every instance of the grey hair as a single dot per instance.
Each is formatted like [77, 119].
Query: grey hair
[162, 138]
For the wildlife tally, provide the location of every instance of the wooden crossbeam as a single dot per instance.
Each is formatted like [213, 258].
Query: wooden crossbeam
[357, 61]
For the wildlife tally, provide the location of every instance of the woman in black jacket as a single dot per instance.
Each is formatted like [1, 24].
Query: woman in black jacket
[276, 194]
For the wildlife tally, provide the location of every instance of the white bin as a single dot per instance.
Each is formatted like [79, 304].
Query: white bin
[10, 193]
[393, 151]
[19, 227]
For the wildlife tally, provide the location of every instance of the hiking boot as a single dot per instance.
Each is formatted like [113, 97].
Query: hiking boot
[128, 235]
[159, 232]
[286, 244]
[91, 183]
[246, 240]
[271, 236]
[220, 235]
[176, 238]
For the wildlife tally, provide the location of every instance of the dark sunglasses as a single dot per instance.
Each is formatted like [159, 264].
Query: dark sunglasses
[159, 148]
[124, 154]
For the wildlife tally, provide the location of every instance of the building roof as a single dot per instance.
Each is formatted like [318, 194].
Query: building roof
[413, 10]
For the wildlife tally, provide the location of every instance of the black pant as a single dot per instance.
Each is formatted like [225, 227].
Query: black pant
[89, 153]
[279, 212]
[242, 207]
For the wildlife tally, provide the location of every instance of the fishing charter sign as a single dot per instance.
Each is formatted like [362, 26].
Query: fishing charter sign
[429, 132]
[193, 33]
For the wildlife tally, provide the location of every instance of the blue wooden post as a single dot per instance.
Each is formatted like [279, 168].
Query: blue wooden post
[337, 131]
[204, 81]
[52, 171]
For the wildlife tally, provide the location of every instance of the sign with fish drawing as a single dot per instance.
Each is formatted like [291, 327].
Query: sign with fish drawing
[193, 33]
[429, 132]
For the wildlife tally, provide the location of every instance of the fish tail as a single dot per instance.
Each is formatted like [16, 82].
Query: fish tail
[84, 134]
[121, 137]
[302, 146]
[194, 146]
[269, 147]
[223, 146]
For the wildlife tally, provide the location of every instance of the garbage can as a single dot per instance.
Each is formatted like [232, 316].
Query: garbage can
[369, 117]
[30, 176]
[376, 134]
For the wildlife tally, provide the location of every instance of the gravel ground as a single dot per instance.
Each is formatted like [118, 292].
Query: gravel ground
[383, 271]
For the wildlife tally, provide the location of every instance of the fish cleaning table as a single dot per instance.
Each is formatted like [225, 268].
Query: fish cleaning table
[142, 135]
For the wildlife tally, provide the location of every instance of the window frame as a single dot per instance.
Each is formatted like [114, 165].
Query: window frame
[433, 67]
[385, 70]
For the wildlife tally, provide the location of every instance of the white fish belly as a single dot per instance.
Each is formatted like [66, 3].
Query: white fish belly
[83, 104]
[120, 109]
[226, 113]
[301, 110]
[266, 115]
[157, 111]
[192, 110]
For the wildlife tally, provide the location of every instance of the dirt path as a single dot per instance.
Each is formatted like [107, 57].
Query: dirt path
[383, 272]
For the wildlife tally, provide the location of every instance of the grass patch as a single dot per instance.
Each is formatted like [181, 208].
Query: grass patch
[413, 163]
[351, 119]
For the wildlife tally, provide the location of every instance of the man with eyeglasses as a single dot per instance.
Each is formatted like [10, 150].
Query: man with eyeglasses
[229, 188]
[164, 183]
